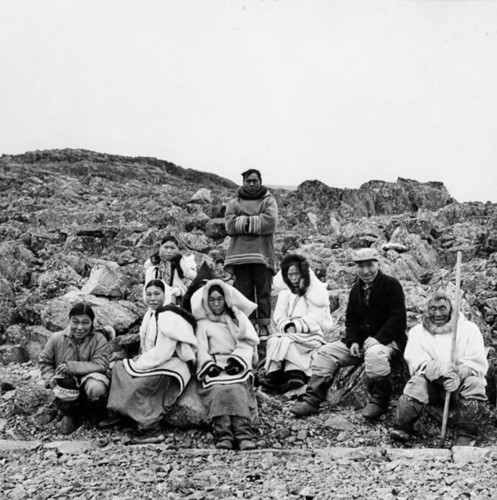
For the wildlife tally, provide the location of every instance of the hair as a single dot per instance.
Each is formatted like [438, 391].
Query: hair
[227, 309]
[439, 295]
[155, 257]
[216, 288]
[81, 308]
[157, 283]
[169, 237]
[301, 263]
[251, 171]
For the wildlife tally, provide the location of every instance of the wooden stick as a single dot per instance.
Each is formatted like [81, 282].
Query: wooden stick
[455, 319]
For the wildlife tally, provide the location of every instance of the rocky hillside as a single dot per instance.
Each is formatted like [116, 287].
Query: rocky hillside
[75, 222]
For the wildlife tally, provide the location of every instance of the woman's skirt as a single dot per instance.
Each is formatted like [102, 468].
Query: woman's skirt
[237, 400]
[143, 399]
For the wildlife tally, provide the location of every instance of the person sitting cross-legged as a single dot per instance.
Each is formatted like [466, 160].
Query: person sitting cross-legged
[427, 354]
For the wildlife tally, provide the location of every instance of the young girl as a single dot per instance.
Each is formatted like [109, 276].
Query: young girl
[146, 387]
[175, 270]
[227, 348]
[74, 365]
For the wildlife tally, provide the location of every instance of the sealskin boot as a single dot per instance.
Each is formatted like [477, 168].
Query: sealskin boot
[68, 424]
[295, 379]
[408, 411]
[470, 414]
[223, 435]
[243, 433]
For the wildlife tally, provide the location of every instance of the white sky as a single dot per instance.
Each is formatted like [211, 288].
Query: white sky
[343, 91]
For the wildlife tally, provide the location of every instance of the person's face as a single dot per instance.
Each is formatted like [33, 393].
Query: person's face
[80, 326]
[294, 276]
[216, 303]
[251, 183]
[168, 250]
[154, 297]
[367, 270]
[439, 312]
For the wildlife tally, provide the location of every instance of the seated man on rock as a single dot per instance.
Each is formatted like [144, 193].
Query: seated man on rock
[375, 324]
[428, 353]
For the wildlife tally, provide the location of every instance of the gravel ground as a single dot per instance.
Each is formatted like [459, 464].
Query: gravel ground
[291, 461]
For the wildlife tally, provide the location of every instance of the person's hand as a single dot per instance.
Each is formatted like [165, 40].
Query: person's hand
[233, 367]
[464, 371]
[370, 342]
[61, 369]
[452, 382]
[176, 291]
[290, 328]
[213, 371]
[355, 350]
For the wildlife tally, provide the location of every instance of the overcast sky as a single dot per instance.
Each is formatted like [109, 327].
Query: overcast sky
[343, 91]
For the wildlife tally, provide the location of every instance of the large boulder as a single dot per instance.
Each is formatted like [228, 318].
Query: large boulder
[121, 314]
[189, 410]
[105, 281]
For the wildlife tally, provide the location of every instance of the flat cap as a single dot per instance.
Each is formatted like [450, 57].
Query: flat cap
[364, 254]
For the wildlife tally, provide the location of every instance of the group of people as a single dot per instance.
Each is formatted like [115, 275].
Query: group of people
[202, 326]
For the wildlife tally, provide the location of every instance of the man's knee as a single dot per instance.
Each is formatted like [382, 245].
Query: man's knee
[474, 388]
[377, 361]
[417, 389]
[325, 360]
[95, 389]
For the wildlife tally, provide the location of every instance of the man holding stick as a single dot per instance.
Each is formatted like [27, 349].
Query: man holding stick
[428, 354]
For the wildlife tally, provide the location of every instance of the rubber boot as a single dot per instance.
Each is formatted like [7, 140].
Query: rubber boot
[408, 411]
[223, 435]
[243, 433]
[379, 390]
[316, 392]
[470, 415]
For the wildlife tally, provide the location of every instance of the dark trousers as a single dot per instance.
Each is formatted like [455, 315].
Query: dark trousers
[254, 281]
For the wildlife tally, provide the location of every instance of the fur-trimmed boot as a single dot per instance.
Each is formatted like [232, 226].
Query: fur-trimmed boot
[223, 434]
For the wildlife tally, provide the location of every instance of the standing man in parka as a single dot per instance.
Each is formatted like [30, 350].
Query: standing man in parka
[375, 325]
[251, 220]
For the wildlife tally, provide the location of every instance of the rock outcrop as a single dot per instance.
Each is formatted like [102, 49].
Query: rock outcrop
[76, 223]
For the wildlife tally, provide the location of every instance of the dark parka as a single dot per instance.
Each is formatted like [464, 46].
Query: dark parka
[384, 318]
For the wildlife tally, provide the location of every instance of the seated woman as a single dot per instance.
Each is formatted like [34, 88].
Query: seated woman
[227, 348]
[146, 387]
[74, 365]
[302, 314]
[175, 270]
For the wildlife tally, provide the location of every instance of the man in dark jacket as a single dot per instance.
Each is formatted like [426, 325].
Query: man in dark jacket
[375, 325]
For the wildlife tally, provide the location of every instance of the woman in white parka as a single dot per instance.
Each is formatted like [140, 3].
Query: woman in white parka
[301, 315]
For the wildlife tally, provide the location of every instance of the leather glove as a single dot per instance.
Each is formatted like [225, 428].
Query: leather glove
[213, 371]
[233, 367]
[452, 382]
[369, 342]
